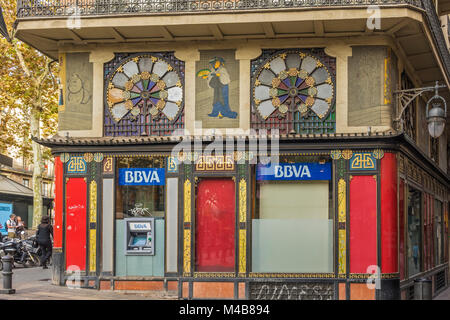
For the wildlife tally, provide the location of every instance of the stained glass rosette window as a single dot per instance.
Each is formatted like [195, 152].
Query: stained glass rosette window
[142, 85]
[293, 81]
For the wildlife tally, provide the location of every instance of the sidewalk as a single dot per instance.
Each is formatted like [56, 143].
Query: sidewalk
[444, 295]
[35, 284]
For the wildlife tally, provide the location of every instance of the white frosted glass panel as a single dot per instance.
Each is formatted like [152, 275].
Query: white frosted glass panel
[108, 224]
[294, 200]
[293, 232]
[292, 245]
[172, 224]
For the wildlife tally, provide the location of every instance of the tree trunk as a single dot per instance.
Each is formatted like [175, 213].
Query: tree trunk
[37, 168]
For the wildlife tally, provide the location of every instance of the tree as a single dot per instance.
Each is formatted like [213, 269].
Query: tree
[30, 102]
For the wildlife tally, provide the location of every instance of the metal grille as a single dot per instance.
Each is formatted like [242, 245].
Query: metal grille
[440, 280]
[55, 8]
[294, 122]
[144, 124]
[291, 291]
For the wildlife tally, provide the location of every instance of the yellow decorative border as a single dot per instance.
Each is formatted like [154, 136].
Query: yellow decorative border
[242, 232]
[93, 202]
[187, 252]
[187, 201]
[368, 275]
[242, 200]
[291, 275]
[187, 232]
[92, 249]
[342, 210]
[242, 251]
[92, 232]
[214, 275]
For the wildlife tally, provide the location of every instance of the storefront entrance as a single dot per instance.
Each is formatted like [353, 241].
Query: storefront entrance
[215, 226]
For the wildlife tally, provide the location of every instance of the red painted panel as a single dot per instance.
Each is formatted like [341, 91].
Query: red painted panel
[401, 205]
[76, 223]
[57, 230]
[215, 225]
[389, 242]
[363, 223]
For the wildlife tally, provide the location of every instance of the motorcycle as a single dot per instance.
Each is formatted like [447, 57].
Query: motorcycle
[32, 241]
[22, 251]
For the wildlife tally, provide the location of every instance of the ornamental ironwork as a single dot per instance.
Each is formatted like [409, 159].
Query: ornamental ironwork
[144, 95]
[294, 91]
[57, 8]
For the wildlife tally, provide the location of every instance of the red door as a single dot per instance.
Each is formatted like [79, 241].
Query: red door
[215, 225]
[76, 224]
[363, 223]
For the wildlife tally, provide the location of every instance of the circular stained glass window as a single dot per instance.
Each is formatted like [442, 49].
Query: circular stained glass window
[144, 84]
[293, 81]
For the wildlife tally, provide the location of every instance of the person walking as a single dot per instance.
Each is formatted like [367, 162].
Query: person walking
[11, 226]
[45, 230]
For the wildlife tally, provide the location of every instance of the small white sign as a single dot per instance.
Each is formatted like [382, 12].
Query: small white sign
[143, 226]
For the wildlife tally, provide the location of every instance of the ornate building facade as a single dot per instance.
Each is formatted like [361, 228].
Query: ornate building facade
[151, 94]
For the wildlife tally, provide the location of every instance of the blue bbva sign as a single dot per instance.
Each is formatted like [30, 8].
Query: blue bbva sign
[141, 177]
[294, 171]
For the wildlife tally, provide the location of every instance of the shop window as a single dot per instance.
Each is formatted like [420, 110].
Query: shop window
[438, 233]
[414, 232]
[292, 225]
[140, 200]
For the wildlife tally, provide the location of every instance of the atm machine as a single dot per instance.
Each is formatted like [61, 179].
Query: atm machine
[140, 235]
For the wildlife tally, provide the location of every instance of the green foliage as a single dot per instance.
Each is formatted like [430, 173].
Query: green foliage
[24, 87]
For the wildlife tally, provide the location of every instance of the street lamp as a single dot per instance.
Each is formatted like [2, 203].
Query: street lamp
[436, 116]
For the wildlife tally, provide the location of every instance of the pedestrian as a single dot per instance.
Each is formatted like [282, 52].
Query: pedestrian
[20, 229]
[45, 230]
[11, 225]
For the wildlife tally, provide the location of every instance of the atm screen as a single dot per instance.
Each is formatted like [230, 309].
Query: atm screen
[139, 241]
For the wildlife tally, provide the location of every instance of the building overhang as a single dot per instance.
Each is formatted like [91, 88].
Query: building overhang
[288, 143]
[413, 39]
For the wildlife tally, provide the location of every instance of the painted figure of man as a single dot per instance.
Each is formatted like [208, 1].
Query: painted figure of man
[219, 80]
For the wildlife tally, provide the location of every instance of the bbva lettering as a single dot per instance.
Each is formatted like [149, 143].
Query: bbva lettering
[141, 176]
[292, 171]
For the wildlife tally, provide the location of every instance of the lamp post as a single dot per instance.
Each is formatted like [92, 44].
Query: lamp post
[436, 109]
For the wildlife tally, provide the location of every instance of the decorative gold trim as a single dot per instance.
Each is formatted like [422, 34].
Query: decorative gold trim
[93, 202]
[242, 251]
[187, 201]
[92, 249]
[187, 252]
[342, 251]
[342, 212]
[336, 154]
[291, 275]
[342, 200]
[214, 275]
[347, 154]
[368, 275]
[242, 200]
